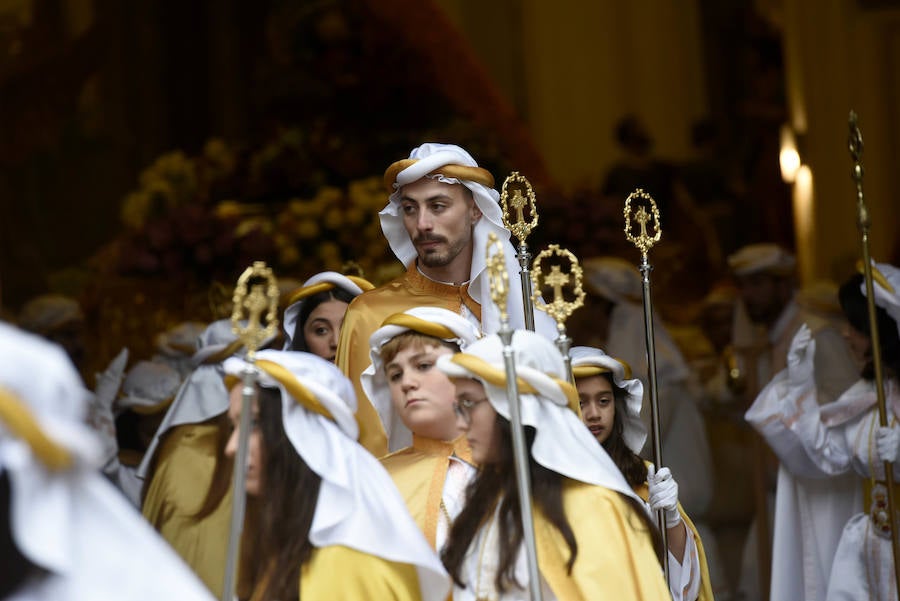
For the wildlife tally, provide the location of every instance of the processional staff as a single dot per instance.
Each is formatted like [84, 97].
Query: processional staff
[559, 308]
[863, 221]
[522, 199]
[646, 215]
[499, 278]
[256, 291]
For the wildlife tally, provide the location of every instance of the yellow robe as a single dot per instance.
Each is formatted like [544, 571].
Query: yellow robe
[339, 573]
[615, 558]
[706, 593]
[419, 472]
[365, 315]
[184, 469]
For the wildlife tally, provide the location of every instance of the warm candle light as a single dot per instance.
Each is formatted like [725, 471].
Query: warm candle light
[804, 228]
[789, 156]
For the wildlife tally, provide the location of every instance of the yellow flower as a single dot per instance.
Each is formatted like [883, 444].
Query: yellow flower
[252, 224]
[228, 208]
[288, 255]
[135, 209]
[333, 219]
[307, 229]
[328, 196]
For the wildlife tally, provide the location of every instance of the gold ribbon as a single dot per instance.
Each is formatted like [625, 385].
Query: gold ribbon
[497, 377]
[307, 291]
[586, 371]
[422, 326]
[22, 424]
[460, 172]
[877, 276]
[294, 387]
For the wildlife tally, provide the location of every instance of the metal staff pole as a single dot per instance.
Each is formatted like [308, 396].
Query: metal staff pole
[261, 296]
[499, 279]
[520, 228]
[863, 221]
[559, 308]
[644, 242]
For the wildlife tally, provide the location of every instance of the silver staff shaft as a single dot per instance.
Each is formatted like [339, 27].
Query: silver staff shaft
[238, 484]
[656, 442]
[520, 455]
[524, 257]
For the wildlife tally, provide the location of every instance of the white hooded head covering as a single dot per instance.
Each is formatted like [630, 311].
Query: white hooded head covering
[327, 280]
[886, 285]
[433, 321]
[149, 387]
[433, 160]
[358, 505]
[613, 278]
[176, 345]
[562, 443]
[763, 257]
[588, 361]
[64, 516]
[203, 394]
[45, 313]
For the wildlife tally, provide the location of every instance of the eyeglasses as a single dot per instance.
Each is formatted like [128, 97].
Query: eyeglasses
[464, 408]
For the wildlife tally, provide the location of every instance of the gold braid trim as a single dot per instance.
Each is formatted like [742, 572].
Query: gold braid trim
[460, 172]
[422, 326]
[22, 424]
[298, 391]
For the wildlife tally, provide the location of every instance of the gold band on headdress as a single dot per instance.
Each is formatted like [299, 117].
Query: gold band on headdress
[460, 172]
[422, 326]
[586, 371]
[294, 387]
[226, 352]
[307, 291]
[152, 409]
[877, 276]
[22, 424]
[497, 377]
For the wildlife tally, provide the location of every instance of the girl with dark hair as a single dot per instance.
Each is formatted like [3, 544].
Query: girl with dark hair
[326, 522]
[841, 443]
[594, 540]
[610, 401]
[315, 312]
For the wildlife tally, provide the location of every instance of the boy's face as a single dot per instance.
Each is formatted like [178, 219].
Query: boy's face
[422, 395]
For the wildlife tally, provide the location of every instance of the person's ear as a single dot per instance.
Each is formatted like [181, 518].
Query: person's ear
[476, 213]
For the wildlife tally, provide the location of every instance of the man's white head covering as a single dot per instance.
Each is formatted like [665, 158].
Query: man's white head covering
[358, 505]
[765, 257]
[588, 361]
[886, 285]
[451, 164]
[176, 345]
[64, 516]
[149, 388]
[433, 321]
[203, 395]
[613, 278]
[327, 280]
[562, 443]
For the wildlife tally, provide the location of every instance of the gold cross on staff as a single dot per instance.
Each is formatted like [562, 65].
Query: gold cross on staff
[517, 194]
[643, 241]
[642, 217]
[556, 280]
[262, 297]
[255, 303]
[518, 203]
[497, 274]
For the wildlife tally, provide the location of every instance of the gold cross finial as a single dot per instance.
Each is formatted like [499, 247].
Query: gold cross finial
[559, 308]
[261, 296]
[643, 241]
[498, 276]
[514, 185]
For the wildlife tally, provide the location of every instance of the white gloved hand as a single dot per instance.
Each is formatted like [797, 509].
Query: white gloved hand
[100, 413]
[663, 494]
[800, 358]
[887, 441]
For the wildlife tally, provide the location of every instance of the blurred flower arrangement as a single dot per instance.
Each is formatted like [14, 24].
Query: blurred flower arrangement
[202, 219]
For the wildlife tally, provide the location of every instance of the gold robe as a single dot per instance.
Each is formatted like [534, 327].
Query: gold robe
[365, 315]
[419, 472]
[184, 468]
[343, 574]
[706, 593]
[615, 558]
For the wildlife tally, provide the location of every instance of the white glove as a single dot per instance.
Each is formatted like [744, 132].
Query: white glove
[887, 440]
[663, 494]
[800, 358]
[100, 414]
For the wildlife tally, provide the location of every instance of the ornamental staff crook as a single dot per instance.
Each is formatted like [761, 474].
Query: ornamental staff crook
[522, 198]
[559, 308]
[649, 219]
[261, 296]
[863, 221]
[499, 278]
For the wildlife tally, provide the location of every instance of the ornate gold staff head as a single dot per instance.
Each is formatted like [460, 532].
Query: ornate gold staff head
[559, 308]
[498, 276]
[518, 195]
[646, 215]
[261, 296]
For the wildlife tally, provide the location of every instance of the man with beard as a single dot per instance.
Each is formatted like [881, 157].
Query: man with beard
[441, 209]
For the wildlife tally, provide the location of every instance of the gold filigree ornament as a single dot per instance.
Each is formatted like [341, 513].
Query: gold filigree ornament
[645, 219]
[512, 197]
[559, 308]
[497, 275]
[256, 291]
